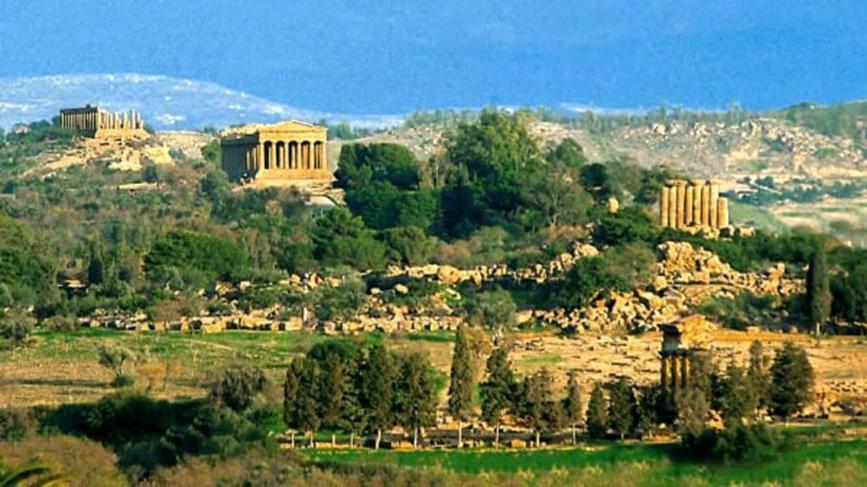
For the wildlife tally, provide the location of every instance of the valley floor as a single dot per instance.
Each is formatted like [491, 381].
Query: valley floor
[62, 367]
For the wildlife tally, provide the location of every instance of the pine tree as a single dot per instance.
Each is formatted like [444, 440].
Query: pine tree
[497, 392]
[378, 390]
[757, 373]
[791, 380]
[597, 413]
[818, 290]
[622, 407]
[573, 407]
[414, 395]
[460, 403]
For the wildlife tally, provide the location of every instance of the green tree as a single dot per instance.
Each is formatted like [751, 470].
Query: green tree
[378, 381]
[409, 245]
[498, 390]
[622, 407]
[597, 413]
[308, 409]
[292, 396]
[461, 381]
[492, 310]
[818, 290]
[573, 406]
[414, 394]
[738, 399]
[630, 224]
[15, 326]
[758, 376]
[536, 405]
[115, 358]
[238, 386]
[791, 380]
[341, 239]
[332, 388]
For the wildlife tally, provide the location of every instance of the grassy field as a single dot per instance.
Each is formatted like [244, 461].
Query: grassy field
[62, 367]
[840, 463]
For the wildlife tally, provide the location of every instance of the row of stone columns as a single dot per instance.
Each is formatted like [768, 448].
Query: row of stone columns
[293, 155]
[93, 120]
[683, 204]
[674, 373]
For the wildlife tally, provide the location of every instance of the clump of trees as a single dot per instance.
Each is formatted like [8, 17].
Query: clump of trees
[342, 386]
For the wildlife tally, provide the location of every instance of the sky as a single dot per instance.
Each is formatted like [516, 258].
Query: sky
[387, 56]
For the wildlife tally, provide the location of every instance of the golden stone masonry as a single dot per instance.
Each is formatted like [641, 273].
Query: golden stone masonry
[693, 204]
[100, 124]
[283, 151]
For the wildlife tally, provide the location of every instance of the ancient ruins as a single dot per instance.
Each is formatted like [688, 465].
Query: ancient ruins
[98, 123]
[284, 151]
[693, 203]
[680, 341]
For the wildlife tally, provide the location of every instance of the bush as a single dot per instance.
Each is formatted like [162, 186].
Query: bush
[13, 425]
[16, 326]
[737, 443]
[238, 386]
[123, 380]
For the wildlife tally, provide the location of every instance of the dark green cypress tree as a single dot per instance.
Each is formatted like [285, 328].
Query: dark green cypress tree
[461, 384]
[622, 407]
[738, 399]
[818, 290]
[757, 374]
[597, 413]
[378, 390]
[573, 406]
[498, 390]
[414, 394]
[791, 380]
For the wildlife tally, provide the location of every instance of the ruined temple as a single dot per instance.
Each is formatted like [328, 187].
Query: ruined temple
[290, 150]
[681, 340]
[98, 123]
[693, 203]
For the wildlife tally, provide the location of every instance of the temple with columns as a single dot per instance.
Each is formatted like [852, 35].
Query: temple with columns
[98, 123]
[694, 203]
[283, 151]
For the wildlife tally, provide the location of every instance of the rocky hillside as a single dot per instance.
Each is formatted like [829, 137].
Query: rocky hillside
[759, 146]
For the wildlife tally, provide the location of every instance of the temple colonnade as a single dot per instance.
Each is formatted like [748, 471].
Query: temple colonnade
[693, 203]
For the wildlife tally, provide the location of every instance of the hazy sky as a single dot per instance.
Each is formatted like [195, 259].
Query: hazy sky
[395, 56]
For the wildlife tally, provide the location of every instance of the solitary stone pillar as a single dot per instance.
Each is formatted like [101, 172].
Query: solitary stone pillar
[705, 205]
[714, 204]
[684, 370]
[663, 373]
[687, 219]
[672, 206]
[663, 208]
[723, 213]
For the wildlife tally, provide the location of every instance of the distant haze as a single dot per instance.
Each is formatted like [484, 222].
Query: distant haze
[355, 57]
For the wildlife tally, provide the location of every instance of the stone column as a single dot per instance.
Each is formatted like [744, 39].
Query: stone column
[663, 209]
[674, 375]
[681, 204]
[705, 205]
[259, 156]
[687, 219]
[723, 212]
[714, 204]
[684, 370]
[663, 373]
[672, 206]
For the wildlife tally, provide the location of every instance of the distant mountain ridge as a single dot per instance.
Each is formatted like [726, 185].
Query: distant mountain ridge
[165, 102]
